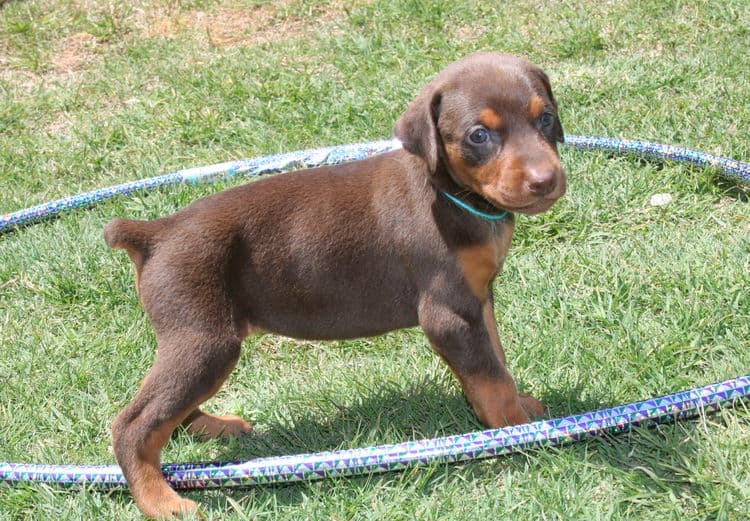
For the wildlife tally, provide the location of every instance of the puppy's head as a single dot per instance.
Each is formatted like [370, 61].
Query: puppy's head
[490, 121]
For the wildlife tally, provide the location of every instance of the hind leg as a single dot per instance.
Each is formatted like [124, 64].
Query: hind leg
[187, 371]
[206, 426]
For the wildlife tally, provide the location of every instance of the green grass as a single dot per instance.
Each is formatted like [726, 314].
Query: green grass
[603, 300]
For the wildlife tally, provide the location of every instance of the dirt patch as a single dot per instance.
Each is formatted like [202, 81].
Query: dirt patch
[74, 52]
[467, 33]
[61, 126]
[231, 26]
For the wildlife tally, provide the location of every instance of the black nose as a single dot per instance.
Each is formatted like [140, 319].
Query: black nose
[541, 181]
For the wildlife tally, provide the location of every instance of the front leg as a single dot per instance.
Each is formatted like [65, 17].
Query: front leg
[531, 405]
[467, 340]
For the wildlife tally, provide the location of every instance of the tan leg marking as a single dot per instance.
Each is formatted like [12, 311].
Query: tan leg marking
[208, 426]
[153, 496]
[491, 325]
[531, 405]
[495, 401]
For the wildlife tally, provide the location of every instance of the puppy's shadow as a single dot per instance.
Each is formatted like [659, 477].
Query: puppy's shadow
[388, 415]
[430, 410]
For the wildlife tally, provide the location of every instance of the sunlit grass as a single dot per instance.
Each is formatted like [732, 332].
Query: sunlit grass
[603, 300]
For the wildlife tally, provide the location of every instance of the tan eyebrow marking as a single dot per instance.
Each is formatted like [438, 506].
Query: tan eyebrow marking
[489, 118]
[536, 107]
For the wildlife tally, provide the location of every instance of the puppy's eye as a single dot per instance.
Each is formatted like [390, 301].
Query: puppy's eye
[479, 135]
[546, 120]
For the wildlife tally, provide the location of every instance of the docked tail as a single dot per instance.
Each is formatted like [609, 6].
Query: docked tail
[134, 236]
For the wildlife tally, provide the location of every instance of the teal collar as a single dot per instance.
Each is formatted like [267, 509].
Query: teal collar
[486, 216]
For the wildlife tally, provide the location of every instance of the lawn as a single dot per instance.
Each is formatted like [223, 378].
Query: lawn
[604, 299]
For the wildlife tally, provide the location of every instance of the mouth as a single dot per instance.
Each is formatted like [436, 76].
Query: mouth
[537, 206]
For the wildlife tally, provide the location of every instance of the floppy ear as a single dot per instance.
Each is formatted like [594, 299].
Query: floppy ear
[557, 129]
[417, 127]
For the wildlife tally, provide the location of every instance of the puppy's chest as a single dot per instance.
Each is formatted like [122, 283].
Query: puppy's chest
[480, 263]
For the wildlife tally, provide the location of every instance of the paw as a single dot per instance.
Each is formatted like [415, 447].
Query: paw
[209, 426]
[174, 507]
[233, 426]
[531, 405]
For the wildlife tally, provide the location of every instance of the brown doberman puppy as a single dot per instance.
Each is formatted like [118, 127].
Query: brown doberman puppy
[414, 236]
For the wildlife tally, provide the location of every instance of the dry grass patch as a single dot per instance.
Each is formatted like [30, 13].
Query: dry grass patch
[75, 52]
[238, 26]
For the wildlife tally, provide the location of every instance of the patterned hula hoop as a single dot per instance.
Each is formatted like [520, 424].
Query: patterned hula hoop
[737, 170]
[400, 456]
